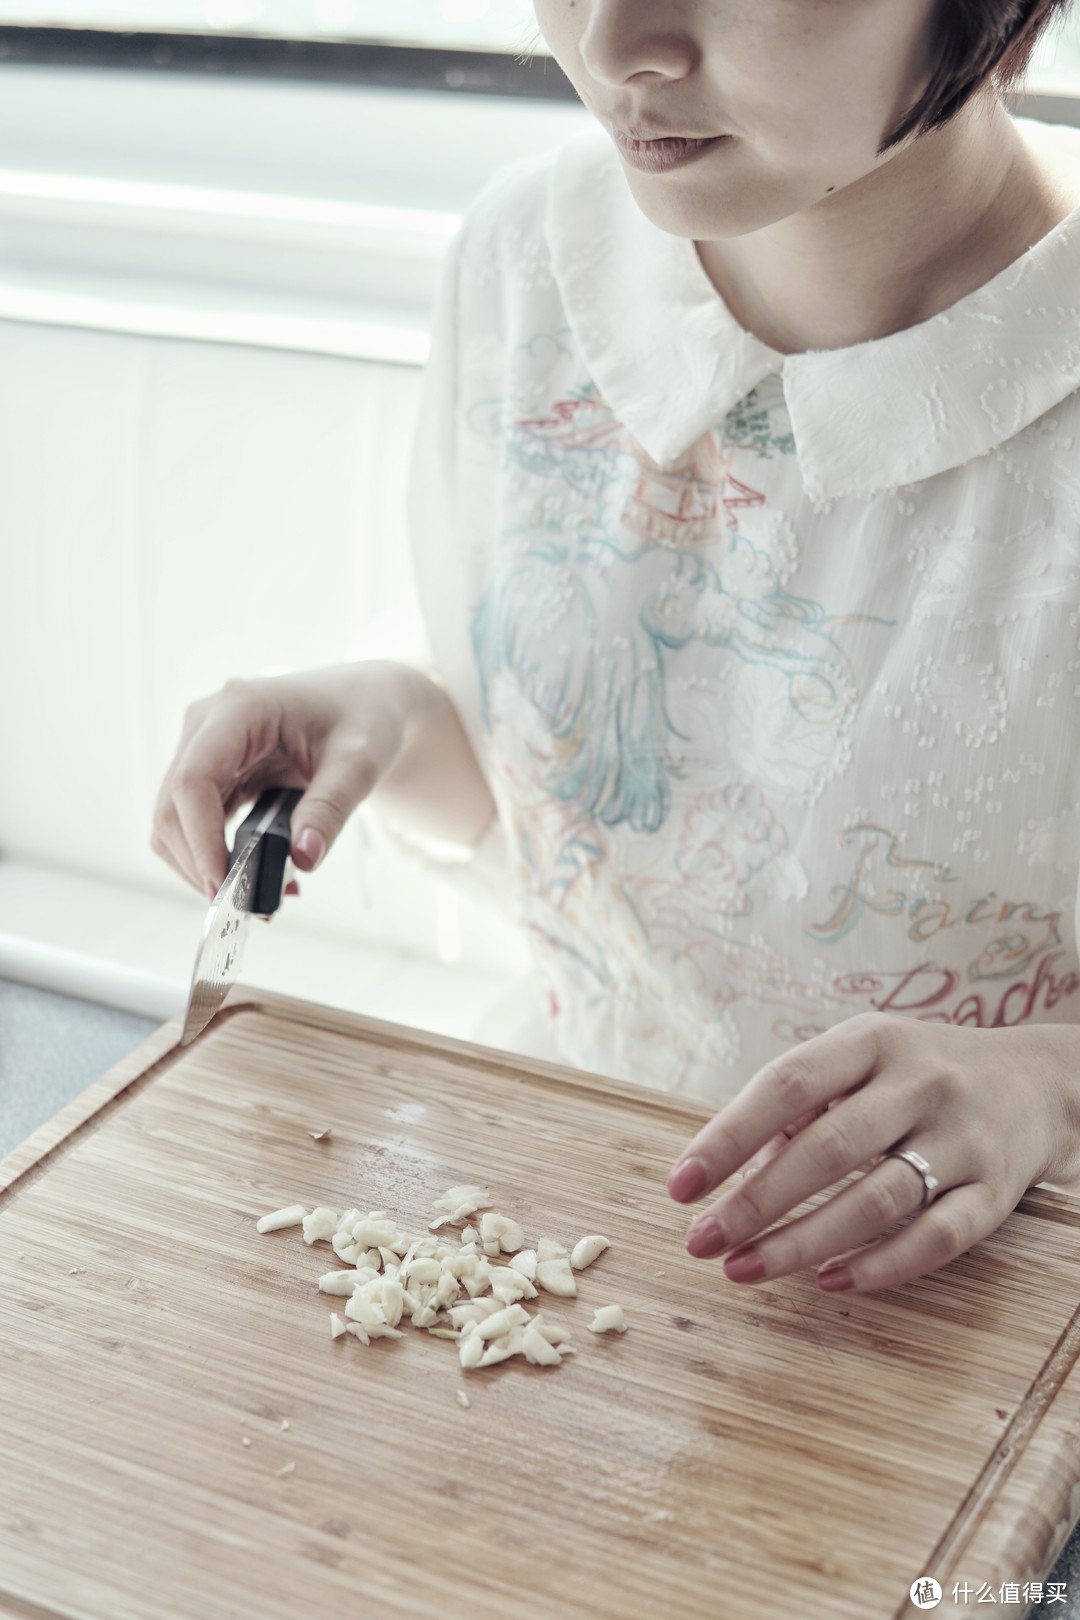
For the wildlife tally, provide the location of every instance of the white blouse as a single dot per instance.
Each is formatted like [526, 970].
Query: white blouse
[772, 662]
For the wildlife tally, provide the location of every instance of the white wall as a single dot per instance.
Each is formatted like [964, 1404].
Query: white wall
[171, 514]
[174, 511]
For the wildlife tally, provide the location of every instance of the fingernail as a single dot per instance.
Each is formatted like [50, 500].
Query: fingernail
[312, 846]
[211, 888]
[744, 1266]
[835, 1278]
[705, 1238]
[688, 1180]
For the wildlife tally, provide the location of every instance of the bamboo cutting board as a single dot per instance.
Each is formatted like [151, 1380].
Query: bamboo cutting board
[740, 1449]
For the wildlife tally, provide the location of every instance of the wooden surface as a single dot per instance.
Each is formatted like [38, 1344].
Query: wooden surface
[739, 1450]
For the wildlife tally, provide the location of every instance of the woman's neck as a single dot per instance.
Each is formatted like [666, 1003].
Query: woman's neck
[915, 235]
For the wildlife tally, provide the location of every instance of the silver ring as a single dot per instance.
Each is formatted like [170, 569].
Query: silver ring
[917, 1162]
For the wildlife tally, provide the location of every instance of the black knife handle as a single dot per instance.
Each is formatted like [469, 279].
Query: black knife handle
[277, 804]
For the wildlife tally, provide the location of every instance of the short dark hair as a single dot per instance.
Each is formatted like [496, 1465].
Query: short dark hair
[976, 42]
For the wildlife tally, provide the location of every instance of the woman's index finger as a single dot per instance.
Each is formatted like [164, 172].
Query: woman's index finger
[800, 1081]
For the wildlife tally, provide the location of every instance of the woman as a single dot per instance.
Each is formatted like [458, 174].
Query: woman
[746, 512]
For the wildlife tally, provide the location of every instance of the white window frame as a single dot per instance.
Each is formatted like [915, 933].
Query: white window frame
[295, 215]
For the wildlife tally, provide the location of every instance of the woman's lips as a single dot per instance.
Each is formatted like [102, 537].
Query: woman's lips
[657, 157]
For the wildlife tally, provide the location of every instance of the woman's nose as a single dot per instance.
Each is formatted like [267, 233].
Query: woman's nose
[627, 39]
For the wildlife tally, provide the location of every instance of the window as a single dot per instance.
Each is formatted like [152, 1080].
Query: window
[1057, 66]
[505, 27]
[492, 25]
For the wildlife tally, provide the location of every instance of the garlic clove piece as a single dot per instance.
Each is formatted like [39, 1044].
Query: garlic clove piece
[501, 1322]
[460, 1202]
[392, 1299]
[554, 1332]
[339, 1282]
[337, 1325]
[471, 1350]
[424, 1271]
[557, 1277]
[499, 1234]
[608, 1319]
[588, 1249]
[320, 1225]
[281, 1218]
[382, 1330]
[525, 1262]
[539, 1350]
[345, 1247]
[501, 1349]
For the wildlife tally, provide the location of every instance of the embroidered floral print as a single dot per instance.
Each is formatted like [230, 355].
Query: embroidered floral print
[773, 662]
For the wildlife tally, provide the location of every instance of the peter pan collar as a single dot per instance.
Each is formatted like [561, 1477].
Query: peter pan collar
[671, 360]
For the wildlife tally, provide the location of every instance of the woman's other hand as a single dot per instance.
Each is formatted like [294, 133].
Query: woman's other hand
[992, 1111]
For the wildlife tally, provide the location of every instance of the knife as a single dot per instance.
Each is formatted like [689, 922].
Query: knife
[252, 887]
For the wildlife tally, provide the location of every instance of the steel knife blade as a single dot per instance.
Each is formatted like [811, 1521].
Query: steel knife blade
[252, 887]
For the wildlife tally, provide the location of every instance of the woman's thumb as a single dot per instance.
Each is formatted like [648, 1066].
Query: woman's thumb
[332, 795]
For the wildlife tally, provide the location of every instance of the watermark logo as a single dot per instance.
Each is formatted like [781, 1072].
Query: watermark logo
[925, 1593]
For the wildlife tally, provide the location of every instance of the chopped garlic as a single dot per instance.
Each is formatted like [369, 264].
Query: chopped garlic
[554, 1332]
[320, 1225]
[321, 1136]
[374, 1233]
[608, 1319]
[288, 1468]
[475, 1311]
[281, 1218]
[345, 1248]
[539, 1350]
[586, 1250]
[470, 1350]
[338, 1282]
[462, 1201]
[425, 1271]
[463, 1398]
[453, 1291]
[391, 1296]
[500, 1322]
[556, 1276]
[502, 1348]
[499, 1234]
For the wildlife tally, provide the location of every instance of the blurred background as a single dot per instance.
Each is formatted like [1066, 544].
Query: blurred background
[221, 225]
